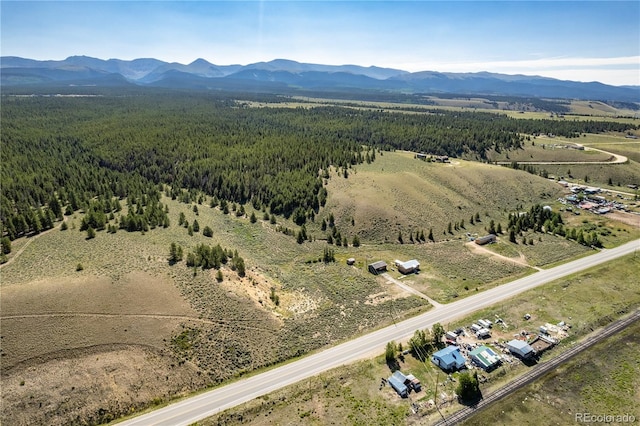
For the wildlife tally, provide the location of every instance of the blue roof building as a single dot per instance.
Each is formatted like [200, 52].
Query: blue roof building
[396, 381]
[449, 358]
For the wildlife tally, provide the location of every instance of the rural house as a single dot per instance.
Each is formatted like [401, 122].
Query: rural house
[449, 358]
[408, 267]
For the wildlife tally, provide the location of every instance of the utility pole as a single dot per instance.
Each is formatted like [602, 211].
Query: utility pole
[435, 397]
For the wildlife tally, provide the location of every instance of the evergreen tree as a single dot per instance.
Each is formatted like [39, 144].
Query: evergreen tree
[5, 243]
[390, 352]
[91, 233]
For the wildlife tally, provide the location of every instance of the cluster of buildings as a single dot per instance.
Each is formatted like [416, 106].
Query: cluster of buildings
[587, 198]
[461, 355]
[408, 267]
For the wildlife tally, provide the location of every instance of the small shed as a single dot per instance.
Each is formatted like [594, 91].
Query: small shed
[377, 267]
[487, 239]
[449, 358]
[520, 348]
[396, 381]
[408, 267]
[413, 383]
[351, 261]
[450, 335]
[484, 357]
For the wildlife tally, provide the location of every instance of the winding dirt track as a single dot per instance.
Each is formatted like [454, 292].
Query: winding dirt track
[231, 323]
[616, 159]
[29, 241]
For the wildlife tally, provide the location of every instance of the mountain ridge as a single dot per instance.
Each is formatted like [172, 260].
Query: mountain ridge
[289, 75]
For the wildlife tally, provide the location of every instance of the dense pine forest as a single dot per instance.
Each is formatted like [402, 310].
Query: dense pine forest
[61, 154]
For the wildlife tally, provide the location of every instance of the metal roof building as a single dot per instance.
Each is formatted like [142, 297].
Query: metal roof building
[407, 267]
[449, 358]
[396, 381]
[484, 357]
[520, 348]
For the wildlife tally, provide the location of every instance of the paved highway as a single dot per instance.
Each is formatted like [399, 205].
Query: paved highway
[211, 402]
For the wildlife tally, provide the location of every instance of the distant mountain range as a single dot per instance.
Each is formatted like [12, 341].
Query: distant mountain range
[285, 76]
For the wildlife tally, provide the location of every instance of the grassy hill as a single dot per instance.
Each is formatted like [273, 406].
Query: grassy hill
[398, 193]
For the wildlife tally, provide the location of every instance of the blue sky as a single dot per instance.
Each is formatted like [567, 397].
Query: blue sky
[573, 40]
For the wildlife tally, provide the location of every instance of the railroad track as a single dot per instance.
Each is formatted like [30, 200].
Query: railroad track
[540, 370]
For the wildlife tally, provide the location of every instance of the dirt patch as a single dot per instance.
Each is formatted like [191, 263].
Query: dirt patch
[478, 249]
[94, 385]
[624, 217]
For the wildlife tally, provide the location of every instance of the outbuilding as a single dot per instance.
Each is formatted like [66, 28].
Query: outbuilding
[449, 358]
[521, 349]
[484, 357]
[396, 381]
[487, 239]
[377, 267]
[413, 383]
[408, 267]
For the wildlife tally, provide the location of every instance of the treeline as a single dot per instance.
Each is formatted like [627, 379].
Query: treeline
[60, 154]
[541, 219]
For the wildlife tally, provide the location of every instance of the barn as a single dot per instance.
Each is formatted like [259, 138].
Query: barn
[484, 358]
[377, 267]
[397, 381]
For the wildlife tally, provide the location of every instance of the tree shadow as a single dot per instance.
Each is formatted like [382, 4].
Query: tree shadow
[471, 402]
[393, 365]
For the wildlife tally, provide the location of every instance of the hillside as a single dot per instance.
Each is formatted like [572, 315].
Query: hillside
[399, 193]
